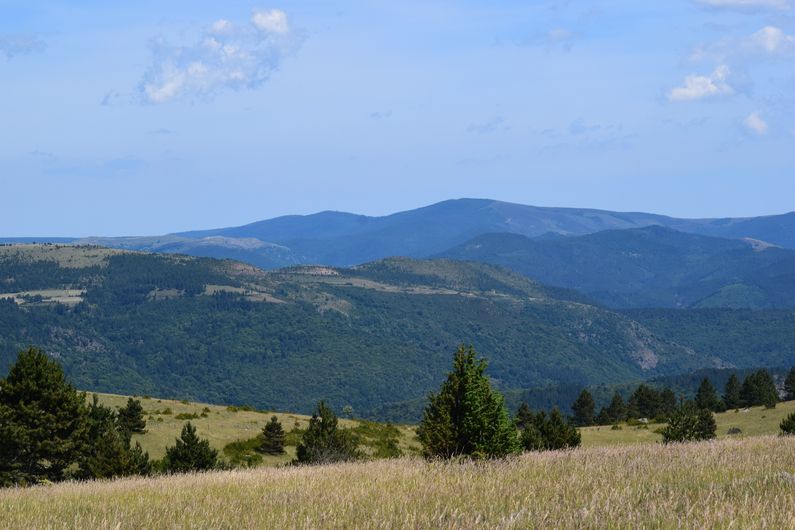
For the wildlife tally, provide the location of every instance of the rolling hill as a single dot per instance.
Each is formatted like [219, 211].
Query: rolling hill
[223, 331]
[647, 267]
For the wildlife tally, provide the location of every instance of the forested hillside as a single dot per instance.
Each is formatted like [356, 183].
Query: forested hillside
[221, 331]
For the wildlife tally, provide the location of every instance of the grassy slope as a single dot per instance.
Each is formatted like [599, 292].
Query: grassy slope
[724, 484]
[223, 426]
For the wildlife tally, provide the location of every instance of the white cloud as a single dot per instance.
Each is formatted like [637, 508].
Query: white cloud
[747, 5]
[695, 87]
[225, 56]
[773, 40]
[755, 124]
[273, 21]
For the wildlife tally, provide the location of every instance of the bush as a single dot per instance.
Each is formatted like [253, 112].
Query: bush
[549, 432]
[788, 425]
[190, 453]
[689, 423]
[186, 416]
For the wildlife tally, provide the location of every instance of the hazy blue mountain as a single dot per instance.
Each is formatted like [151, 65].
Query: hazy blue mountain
[647, 267]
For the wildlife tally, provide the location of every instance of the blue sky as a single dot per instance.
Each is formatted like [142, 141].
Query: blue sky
[153, 117]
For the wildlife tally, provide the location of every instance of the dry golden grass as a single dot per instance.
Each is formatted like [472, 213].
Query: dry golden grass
[722, 484]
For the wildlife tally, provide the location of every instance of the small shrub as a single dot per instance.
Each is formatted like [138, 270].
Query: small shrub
[616, 427]
[167, 411]
[788, 425]
[186, 416]
[734, 430]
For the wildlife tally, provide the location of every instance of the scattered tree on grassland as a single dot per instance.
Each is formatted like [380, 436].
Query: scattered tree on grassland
[759, 389]
[707, 397]
[613, 413]
[131, 417]
[324, 442]
[549, 432]
[190, 453]
[272, 438]
[467, 417]
[584, 409]
[43, 425]
[731, 395]
[688, 423]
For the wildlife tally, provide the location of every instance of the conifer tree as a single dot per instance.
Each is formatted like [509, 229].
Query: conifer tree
[689, 423]
[788, 425]
[43, 427]
[731, 396]
[190, 453]
[559, 433]
[667, 404]
[707, 398]
[131, 417]
[759, 389]
[108, 453]
[524, 416]
[272, 438]
[324, 442]
[789, 385]
[467, 417]
[616, 411]
[584, 409]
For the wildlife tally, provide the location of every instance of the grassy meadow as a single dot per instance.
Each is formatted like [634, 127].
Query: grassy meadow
[727, 483]
[222, 425]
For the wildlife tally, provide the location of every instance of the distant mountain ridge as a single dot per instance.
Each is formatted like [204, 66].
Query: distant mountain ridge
[345, 239]
[647, 267]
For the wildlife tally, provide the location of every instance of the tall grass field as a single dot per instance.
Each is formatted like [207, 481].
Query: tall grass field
[742, 483]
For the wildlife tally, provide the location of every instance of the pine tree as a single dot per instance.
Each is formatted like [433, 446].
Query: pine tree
[467, 417]
[43, 429]
[584, 409]
[272, 438]
[789, 385]
[617, 410]
[667, 403]
[559, 433]
[190, 453]
[788, 425]
[324, 442]
[131, 417]
[524, 416]
[108, 453]
[707, 398]
[759, 389]
[689, 423]
[644, 403]
[731, 396]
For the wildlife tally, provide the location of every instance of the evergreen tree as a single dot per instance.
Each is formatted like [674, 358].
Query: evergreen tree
[131, 417]
[788, 425]
[731, 396]
[324, 442]
[707, 398]
[190, 453]
[43, 429]
[558, 433]
[759, 389]
[108, 453]
[584, 409]
[467, 417]
[789, 385]
[617, 410]
[644, 403]
[524, 416]
[667, 404]
[272, 438]
[689, 423]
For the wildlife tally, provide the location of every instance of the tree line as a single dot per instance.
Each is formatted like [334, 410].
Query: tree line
[50, 432]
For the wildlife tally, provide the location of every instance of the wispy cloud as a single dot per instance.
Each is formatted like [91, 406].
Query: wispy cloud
[226, 55]
[491, 125]
[747, 5]
[769, 42]
[695, 87]
[755, 124]
[553, 39]
[14, 45]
